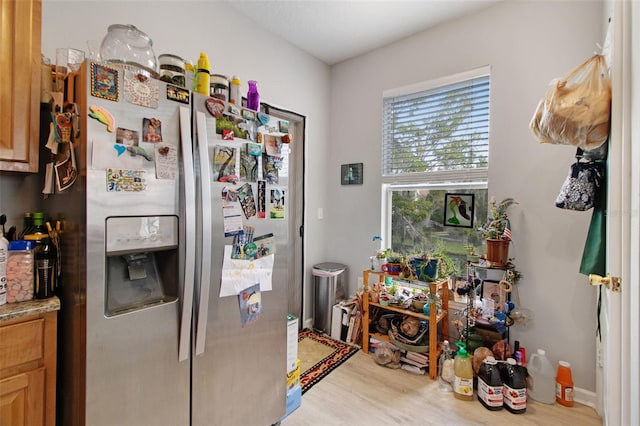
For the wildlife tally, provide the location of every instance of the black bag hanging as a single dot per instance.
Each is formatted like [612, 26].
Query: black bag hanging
[580, 188]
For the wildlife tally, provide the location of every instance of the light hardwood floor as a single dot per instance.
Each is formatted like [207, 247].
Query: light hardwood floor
[360, 392]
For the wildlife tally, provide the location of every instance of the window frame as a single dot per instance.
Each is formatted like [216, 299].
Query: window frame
[450, 180]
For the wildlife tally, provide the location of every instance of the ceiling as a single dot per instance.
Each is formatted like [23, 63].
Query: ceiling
[335, 30]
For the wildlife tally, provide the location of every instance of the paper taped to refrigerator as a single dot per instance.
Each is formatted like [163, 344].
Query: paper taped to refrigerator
[238, 274]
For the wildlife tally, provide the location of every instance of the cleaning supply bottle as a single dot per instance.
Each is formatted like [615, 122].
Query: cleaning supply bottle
[253, 97]
[490, 385]
[564, 384]
[541, 383]
[203, 74]
[234, 91]
[463, 375]
[514, 389]
[446, 369]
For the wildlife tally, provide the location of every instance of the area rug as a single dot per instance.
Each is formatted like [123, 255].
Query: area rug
[319, 355]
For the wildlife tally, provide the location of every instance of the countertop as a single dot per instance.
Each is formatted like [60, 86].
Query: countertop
[32, 307]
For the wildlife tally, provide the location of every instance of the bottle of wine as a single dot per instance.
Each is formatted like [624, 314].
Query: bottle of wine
[45, 268]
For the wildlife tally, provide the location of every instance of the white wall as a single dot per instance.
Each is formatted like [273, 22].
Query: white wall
[526, 44]
[287, 77]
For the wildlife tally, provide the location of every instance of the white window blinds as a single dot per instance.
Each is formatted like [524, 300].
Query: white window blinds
[442, 132]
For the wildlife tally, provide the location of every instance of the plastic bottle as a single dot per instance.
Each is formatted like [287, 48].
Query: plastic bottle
[4, 253]
[490, 385]
[564, 384]
[203, 74]
[514, 389]
[234, 91]
[189, 77]
[253, 97]
[445, 368]
[463, 375]
[542, 383]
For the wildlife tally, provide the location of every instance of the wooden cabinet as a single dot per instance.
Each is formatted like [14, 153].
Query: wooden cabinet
[20, 68]
[441, 288]
[28, 369]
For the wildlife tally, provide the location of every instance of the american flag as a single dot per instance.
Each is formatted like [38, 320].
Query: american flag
[507, 232]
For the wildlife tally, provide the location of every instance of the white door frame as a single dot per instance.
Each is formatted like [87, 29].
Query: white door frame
[617, 377]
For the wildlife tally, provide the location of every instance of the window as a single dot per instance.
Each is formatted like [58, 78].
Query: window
[435, 141]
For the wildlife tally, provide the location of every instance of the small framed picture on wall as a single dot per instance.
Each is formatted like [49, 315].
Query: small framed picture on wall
[351, 174]
[459, 210]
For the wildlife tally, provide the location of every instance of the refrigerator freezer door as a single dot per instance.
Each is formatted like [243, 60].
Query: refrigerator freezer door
[133, 376]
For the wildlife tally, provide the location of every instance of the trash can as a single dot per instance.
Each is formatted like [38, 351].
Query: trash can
[329, 289]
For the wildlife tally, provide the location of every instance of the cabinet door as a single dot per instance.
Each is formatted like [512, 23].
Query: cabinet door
[22, 399]
[20, 68]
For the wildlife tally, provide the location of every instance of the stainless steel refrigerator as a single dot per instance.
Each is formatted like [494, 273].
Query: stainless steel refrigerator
[144, 336]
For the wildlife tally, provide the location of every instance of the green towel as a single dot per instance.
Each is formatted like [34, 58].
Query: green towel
[595, 247]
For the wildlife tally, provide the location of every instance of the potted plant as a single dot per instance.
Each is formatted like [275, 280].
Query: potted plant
[497, 232]
[379, 259]
[394, 263]
[446, 265]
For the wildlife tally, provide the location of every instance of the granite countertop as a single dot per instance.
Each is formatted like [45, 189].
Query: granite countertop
[32, 307]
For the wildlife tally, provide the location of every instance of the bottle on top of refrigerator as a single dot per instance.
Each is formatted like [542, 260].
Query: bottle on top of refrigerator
[203, 74]
[463, 375]
[189, 77]
[253, 97]
[234, 91]
[445, 367]
[541, 383]
[564, 384]
[490, 385]
[4, 253]
[514, 388]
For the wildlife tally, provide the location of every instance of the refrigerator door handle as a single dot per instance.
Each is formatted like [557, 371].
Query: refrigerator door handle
[205, 259]
[190, 235]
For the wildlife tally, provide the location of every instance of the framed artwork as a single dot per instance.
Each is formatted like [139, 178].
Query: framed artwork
[459, 210]
[351, 174]
[104, 82]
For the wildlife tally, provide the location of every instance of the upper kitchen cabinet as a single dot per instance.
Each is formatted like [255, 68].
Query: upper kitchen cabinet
[20, 67]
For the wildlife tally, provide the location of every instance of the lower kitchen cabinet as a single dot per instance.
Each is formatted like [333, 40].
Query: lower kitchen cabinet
[28, 344]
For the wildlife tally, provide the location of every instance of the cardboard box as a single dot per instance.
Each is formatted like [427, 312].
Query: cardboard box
[293, 377]
[292, 342]
[294, 399]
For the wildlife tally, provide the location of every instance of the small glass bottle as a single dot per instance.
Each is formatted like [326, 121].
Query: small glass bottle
[27, 225]
[445, 368]
[253, 97]
[38, 224]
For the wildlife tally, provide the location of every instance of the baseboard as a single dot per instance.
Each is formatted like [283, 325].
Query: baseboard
[585, 397]
[308, 323]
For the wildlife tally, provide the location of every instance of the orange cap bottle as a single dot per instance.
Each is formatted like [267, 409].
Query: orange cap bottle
[564, 384]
